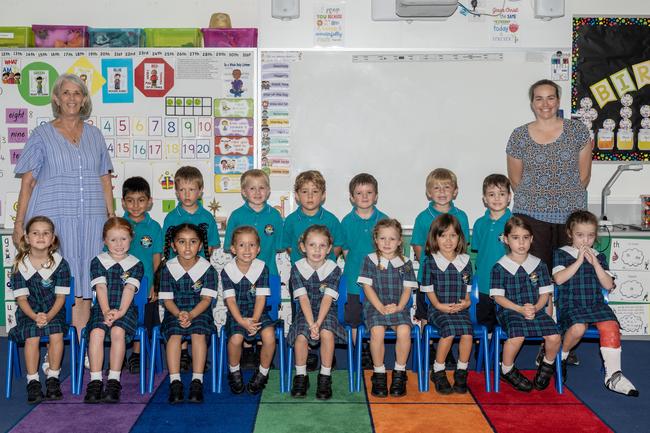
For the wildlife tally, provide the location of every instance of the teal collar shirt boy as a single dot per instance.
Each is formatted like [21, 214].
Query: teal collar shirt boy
[267, 222]
[180, 216]
[297, 222]
[147, 241]
[487, 241]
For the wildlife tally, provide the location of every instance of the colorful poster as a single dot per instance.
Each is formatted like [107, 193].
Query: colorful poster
[329, 25]
[119, 80]
[233, 127]
[231, 107]
[233, 146]
[224, 164]
[11, 71]
[505, 28]
[633, 318]
[630, 255]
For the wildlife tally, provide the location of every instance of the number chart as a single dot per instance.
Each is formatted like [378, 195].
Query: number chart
[158, 109]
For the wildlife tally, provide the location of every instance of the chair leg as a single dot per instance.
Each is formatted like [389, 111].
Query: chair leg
[11, 347]
[216, 363]
[155, 347]
[361, 330]
[81, 360]
[221, 362]
[485, 357]
[424, 380]
[558, 372]
[417, 343]
[74, 376]
[281, 350]
[350, 365]
[289, 367]
[496, 336]
[141, 336]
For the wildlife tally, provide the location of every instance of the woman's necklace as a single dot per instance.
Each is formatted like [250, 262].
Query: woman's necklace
[73, 135]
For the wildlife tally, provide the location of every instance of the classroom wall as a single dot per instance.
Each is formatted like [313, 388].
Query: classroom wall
[458, 32]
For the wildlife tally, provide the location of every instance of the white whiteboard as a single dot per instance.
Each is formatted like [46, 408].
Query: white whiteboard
[398, 120]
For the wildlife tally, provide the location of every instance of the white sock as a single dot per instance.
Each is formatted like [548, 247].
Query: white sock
[301, 369]
[198, 376]
[95, 375]
[326, 371]
[612, 360]
[174, 376]
[565, 355]
[31, 377]
[462, 365]
[551, 362]
[379, 369]
[53, 373]
[233, 368]
[438, 367]
[264, 371]
[505, 369]
[114, 375]
[400, 367]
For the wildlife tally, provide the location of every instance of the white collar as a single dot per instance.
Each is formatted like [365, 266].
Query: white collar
[395, 261]
[195, 273]
[573, 252]
[529, 265]
[459, 262]
[307, 271]
[126, 263]
[252, 275]
[27, 270]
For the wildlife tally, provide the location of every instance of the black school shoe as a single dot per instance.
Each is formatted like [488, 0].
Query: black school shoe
[186, 361]
[563, 367]
[460, 381]
[517, 380]
[379, 385]
[398, 383]
[133, 363]
[34, 392]
[543, 376]
[324, 388]
[176, 392]
[572, 359]
[312, 362]
[366, 358]
[196, 392]
[112, 391]
[300, 385]
[440, 381]
[236, 382]
[53, 389]
[257, 383]
[94, 391]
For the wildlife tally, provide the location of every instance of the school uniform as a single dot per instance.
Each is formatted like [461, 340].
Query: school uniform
[580, 298]
[267, 222]
[297, 222]
[487, 242]
[147, 241]
[201, 218]
[389, 279]
[315, 283]
[186, 288]
[245, 288]
[105, 270]
[450, 281]
[41, 288]
[522, 284]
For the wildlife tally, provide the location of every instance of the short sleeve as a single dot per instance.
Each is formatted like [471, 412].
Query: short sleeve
[476, 235]
[158, 243]
[32, 156]
[297, 285]
[544, 281]
[497, 280]
[367, 274]
[228, 285]
[332, 282]
[210, 283]
[97, 273]
[560, 261]
[428, 277]
[464, 224]
[166, 290]
[603, 262]
[279, 236]
[62, 279]
[105, 163]
[262, 284]
[19, 284]
[582, 136]
[286, 234]
[213, 234]
[409, 279]
[136, 275]
[337, 232]
[419, 237]
[230, 227]
[514, 147]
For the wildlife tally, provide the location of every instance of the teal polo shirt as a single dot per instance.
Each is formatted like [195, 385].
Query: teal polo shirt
[147, 241]
[423, 223]
[267, 222]
[180, 216]
[297, 222]
[487, 242]
[357, 233]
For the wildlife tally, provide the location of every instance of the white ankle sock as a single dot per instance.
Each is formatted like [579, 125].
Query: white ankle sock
[264, 371]
[400, 367]
[438, 367]
[379, 369]
[53, 373]
[462, 365]
[95, 375]
[301, 369]
[233, 368]
[326, 371]
[174, 376]
[198, 376]
[549, 362]
[565, 355]
[506, 368]
[31, 377]
[114, 375]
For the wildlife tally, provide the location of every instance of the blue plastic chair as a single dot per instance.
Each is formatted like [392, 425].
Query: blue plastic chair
[480, 332]
[140, 299]
[13, 360]
[340, 312]
[364, 333]
[273, 301]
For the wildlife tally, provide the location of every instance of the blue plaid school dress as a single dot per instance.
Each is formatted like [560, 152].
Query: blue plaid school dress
[315, 284]
[245, 288]
[105, 270]
[186, 288]
[522, 284]
[40, 287]
[389, 279]
[450, 281]
[580, 299]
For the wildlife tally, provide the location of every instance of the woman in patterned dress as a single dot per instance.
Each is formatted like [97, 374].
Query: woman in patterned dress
[65, 170]
[116, 276]
[388, 279]
[40, 281]
[447, 281]
[520, 284]
[315, 282]
[581, 273]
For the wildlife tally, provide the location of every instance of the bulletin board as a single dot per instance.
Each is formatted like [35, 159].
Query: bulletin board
[158, 109]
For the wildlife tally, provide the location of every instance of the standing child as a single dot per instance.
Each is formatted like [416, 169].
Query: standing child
[40, 281]
[188, 284]
[520, 284]
[115, 278]
[447, 281]
[388, 279]
[581, 273]
[147, 241]
[357, 231]
[487, 242]
[315, 281]
[245, 288]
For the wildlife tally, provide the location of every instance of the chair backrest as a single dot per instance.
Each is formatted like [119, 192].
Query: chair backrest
[473, 297]
[69, 302]
[141, 298]
[343, 299]
[274, 300]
